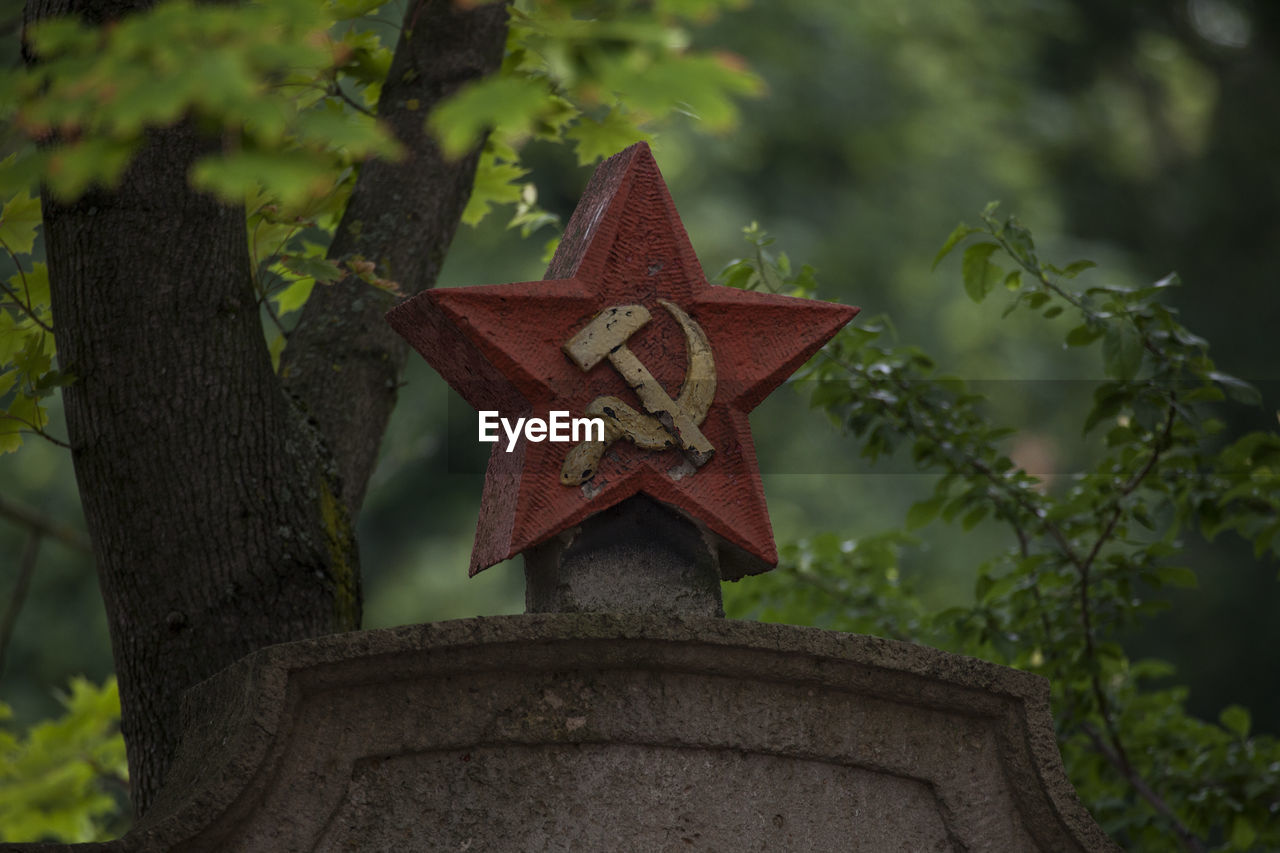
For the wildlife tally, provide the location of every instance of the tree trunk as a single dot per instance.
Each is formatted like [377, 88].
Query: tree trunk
[217, 512]
[213, 509]
[343, 360]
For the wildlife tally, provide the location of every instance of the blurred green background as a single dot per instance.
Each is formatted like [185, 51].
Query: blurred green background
[1142, 134]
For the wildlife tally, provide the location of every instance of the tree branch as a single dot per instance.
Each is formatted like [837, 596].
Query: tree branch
[26, 307]
[45, 526]
[1185, 835]
[32, 428]
[336, 89]
[26, 569]
[342, 361]
[1066, 295]
[1086, 612]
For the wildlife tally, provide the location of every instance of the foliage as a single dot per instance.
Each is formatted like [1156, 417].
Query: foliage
[268, 73]
[598, 75]
[27, 375]
[1086, 560]
[292, 87]
[66, 779]
[848, 585]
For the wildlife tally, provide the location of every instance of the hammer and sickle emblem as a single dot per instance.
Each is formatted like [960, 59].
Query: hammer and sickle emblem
[665, 423]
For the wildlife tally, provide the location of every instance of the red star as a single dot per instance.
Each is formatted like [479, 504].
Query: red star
[500, 347]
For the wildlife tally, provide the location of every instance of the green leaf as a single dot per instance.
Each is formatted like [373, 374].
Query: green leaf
[296, 177]
[276, 348]
[1264, 539]
[314, 267]
[998, 588]
[24, 413]
[738, 273]
[979, 274]
[294, 295]
[974, 516]
[345, 10]
[701, 86]
[18, 222]
[1178, 576]
[923, 512]
[53, 777]
[13, 335]
[1122, 350]
[1236, 719]
[73, 168]
[961, 231]
[1243, 834]
[496, 183]
[509, 106]
[357, 134]
[1083, 335]
[368, 62]
[1237, 389]
[594, 140]
[1074, 269]
[36, 355]
[50, 381]
[33, 285]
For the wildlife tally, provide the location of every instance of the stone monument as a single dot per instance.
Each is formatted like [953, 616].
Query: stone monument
[622, 712]
[624, 317]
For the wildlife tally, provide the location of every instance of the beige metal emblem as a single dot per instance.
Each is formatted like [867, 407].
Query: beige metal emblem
[668, 423]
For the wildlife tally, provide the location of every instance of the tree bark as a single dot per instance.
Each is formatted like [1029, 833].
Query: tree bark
[219, 520]
[342, 360]
[212, 506]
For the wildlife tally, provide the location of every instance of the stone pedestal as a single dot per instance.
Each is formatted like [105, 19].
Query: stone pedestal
[640, 556]
[605, 732]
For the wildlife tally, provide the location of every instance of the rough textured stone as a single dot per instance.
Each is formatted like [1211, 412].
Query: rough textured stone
[576, 791]
[597, 732]
[638, 556]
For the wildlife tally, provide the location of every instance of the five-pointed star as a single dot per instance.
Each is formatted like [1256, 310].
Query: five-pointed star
[500, 347]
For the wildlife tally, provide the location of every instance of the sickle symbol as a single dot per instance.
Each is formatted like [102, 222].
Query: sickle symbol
[668, 423]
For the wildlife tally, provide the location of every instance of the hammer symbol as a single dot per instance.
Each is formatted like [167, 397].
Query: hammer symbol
[606, 337]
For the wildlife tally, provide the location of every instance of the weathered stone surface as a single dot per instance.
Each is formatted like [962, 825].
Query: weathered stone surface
[575, 793]
[598, 732]
[639, 556]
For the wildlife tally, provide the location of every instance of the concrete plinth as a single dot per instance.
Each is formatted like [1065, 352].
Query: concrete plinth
[599, 732]
[640, 556]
